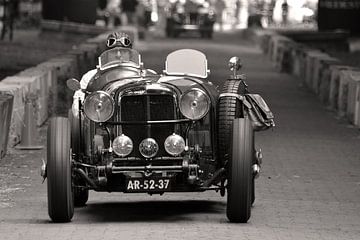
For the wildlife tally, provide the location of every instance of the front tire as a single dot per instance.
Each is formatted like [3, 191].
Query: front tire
[60, 195]
[240, 177]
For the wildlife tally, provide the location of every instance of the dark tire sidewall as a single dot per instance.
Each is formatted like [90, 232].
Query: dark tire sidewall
[59, 179]
[240, 179]
[75, 133]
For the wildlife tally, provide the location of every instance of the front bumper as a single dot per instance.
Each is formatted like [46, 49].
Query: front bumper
[192, 27]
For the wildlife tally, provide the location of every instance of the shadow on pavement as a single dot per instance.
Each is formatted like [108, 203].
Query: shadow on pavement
[148, 210]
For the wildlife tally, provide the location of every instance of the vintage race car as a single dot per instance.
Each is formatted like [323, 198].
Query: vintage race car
[141, 132]
[199, 19]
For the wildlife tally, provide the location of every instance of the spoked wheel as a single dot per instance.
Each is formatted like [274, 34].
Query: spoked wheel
[240, 176]
[60, 195]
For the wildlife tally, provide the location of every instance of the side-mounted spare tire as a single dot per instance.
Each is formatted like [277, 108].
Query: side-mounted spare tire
[228, 110]
[59, 184]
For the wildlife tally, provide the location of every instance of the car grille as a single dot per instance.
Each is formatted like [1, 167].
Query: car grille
[148, 108]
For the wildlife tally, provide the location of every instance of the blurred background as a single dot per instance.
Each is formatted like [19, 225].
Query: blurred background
[313, 14]
[309, 21]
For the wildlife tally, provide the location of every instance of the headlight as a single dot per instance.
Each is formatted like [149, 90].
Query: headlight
[99, 106]
[122, 145]
[194, 104]
[148, 147]
[174, 144]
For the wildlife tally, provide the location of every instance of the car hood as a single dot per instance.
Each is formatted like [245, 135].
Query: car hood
[125, 75]
[185, 83]
[130, 79]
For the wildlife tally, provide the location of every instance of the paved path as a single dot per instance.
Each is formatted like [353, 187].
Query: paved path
[309, 188]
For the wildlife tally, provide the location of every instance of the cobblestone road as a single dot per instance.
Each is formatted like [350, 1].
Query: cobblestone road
[309, 188]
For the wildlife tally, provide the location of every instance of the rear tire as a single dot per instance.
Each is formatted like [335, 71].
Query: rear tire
[81, 196]
[59, 184]
[240, 177]
[75, 133]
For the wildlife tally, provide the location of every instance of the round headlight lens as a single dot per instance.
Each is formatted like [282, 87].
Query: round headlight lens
[148, 147]
[122, 145]
[174, 144]
[194, 104]
[99, 106]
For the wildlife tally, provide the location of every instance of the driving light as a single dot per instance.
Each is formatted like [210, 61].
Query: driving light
[122, 145]
[148, 147]
[174, 144]
[99, 106]
[194, 104]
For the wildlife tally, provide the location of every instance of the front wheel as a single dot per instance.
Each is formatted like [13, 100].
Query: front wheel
[240, 177]
[60, 195]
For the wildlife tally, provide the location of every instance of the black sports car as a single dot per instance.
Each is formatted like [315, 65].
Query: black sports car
[138, 131]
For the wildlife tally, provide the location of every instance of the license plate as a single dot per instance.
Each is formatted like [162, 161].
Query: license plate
[147, 184]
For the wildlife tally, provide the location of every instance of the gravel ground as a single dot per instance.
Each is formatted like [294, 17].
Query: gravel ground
[31, 47]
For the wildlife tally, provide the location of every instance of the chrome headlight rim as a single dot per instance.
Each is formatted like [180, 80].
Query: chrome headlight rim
[88, 98]
[207, 98]
[143, 148]
[167, 142]
[116, 141]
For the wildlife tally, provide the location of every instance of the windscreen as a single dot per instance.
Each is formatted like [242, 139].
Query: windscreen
[187, 62]
[119, 57]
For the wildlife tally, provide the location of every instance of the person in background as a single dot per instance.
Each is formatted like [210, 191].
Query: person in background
[10, 13]
[113, 13]
[141, 20]
[270, 13]
[219, 8]
[101, 12]
[128, 7]
[237, 11]
[284, 12]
